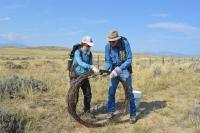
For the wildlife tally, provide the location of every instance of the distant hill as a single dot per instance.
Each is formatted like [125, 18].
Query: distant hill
[54, 47]
[17, 45]
[166, 53]
[49, 48]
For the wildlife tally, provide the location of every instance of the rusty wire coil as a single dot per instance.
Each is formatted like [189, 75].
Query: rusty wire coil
[71, 99]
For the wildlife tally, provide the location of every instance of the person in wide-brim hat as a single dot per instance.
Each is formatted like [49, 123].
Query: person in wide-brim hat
[118, 60]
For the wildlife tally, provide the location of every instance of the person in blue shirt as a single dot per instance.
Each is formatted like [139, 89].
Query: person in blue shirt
[83, 63]
[118, 59]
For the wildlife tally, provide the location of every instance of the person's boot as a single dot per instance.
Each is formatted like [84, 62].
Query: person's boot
[110, 116]
[132, 120]
[89, 114]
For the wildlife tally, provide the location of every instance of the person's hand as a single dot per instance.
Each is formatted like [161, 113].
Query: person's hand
[116, 72]
[95, 70]
[113, 74]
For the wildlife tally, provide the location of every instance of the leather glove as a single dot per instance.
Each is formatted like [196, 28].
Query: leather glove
[116, 72]
[95, 70]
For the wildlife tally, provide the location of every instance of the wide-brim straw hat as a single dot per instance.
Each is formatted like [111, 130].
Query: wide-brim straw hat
[113, 36]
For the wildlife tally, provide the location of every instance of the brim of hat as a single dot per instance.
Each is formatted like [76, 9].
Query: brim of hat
[114, 39]
[90, 44]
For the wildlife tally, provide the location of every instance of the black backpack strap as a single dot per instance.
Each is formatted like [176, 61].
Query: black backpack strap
[122, 44]
[123, 48]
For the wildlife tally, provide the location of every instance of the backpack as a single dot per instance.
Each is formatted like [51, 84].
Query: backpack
[71, 56]
[70, 63]
[122, 52]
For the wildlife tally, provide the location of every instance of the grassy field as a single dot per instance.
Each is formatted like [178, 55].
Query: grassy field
[170, 93]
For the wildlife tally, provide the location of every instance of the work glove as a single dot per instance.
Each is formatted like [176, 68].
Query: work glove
[116, 72]
[95, 70]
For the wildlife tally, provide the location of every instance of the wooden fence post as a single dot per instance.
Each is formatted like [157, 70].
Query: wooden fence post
[150, 60]
[163, 60]
[98, 61]
[172, 59]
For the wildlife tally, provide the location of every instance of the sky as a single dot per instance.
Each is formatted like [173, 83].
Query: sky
[149, 25]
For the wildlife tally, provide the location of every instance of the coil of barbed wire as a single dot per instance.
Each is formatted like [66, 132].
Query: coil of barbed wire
[71, 99]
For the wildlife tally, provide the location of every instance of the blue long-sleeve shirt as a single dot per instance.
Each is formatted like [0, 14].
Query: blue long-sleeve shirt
[84, 63]
[112, 59]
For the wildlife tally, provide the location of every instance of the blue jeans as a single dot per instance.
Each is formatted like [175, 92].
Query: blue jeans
[126, 76]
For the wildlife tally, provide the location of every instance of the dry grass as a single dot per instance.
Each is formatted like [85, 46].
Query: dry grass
[171, 93]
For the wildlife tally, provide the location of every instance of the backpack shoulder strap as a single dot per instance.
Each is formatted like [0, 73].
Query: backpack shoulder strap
[122, 51]
[123, 48]
[122, 44]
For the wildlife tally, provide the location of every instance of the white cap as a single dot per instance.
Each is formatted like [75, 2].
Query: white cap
[87, 40]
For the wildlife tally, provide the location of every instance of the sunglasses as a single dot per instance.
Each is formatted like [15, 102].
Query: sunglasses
[112, 42]
[88, 46]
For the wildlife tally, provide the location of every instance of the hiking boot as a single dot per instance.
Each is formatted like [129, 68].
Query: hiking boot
[132, 120]
[110, 116]
[89, 115]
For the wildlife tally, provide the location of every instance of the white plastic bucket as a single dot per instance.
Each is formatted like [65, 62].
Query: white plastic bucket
[137, 97]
